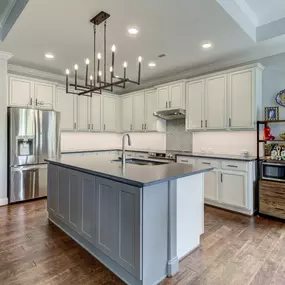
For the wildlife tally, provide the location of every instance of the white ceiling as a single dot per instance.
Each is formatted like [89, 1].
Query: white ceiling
[176, 28]
[267, 10]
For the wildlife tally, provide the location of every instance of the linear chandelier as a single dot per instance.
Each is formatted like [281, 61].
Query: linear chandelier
[94, 83]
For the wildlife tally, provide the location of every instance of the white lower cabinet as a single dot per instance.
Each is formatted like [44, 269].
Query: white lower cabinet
[211, 185]
[231, 185]
[233, 188]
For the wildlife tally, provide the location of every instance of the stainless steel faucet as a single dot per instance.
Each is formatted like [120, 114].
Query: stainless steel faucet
[123, 148]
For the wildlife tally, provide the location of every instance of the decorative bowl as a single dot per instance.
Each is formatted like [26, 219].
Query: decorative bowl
[282, 136]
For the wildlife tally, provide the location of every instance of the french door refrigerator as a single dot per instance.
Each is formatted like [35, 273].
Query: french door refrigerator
[33, 136]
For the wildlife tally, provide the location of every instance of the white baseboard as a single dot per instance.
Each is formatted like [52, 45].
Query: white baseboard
[3, 201]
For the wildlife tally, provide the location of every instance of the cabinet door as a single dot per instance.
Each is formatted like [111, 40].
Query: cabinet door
[162, 98]
[75, 194]
[82, 113]
[127, 113]
[63, 194]
[215, 103]
[88, 200]
[195, 105]
[52, 195]
[66, 107]
[139, 111]
[109, 113]
[44, 95]
[95, 113]
[21, 92]
[176, 96]
[129, 235]
[150, 108]
[241, 101]
[233, 188]
[107, 216]
[211, 185]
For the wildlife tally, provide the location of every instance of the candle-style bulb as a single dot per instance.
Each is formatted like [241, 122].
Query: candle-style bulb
[140, 59]
[100, 73]
[76, 66]
[67, 71]
[111, 69]
[91, 77]
[113, 48]
[87, 61]
[99, 55]
[125, 64]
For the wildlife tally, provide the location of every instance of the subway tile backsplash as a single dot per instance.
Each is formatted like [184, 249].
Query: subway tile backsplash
[176, 136]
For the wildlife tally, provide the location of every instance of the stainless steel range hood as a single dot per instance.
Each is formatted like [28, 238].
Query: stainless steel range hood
[172, 114]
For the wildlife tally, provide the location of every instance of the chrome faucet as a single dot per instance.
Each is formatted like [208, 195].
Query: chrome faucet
[123, 148]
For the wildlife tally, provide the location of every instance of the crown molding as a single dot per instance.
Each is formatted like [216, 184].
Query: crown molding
[5, 55]
[7, 11]
[26, 71]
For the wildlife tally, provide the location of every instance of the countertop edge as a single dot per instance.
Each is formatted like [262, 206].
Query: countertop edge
[218, 157]
[128, 181]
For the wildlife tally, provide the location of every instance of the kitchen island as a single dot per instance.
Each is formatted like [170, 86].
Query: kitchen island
[138, 220]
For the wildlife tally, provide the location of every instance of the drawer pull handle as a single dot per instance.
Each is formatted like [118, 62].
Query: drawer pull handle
[232, 166]
[206, 163]
[184, 160]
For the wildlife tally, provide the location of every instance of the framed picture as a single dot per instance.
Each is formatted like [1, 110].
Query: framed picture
[271, 113]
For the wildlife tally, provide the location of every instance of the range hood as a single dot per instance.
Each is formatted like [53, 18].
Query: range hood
[172, 114]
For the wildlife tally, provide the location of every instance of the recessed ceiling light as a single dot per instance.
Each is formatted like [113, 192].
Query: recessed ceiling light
[206, 45]
[49, 55]
[133, 31]
[152, 64]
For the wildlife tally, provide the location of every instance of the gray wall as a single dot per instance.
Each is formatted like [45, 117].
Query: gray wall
[176, 137]
[273, 82]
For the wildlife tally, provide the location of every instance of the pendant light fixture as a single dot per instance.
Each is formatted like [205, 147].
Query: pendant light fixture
[94, 83]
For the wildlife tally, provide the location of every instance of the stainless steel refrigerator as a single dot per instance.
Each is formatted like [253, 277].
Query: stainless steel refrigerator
[33, 136]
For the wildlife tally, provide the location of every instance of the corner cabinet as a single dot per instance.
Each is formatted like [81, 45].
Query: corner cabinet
[171, 96]
[66, 105]
[226, 100]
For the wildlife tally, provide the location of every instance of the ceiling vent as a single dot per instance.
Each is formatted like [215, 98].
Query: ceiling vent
[161, 55]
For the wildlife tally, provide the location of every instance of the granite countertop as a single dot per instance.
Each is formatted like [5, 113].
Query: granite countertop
[220, 156]
[135, 175]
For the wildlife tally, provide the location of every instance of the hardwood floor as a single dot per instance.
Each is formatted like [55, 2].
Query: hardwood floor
[235, 250]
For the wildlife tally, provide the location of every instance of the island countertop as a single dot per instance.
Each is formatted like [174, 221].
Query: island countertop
[136, 175]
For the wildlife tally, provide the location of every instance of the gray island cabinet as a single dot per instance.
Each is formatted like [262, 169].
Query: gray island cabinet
[130, 226]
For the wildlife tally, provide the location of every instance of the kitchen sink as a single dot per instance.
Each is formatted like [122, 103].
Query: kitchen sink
[140, 161]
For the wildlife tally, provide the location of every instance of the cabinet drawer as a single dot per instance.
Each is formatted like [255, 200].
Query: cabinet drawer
[272, 198]
[185, 159]
[234, 165]
[209, 162]
[130, 154]
[141, 155]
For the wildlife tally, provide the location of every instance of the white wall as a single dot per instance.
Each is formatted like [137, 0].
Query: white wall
[93, 141]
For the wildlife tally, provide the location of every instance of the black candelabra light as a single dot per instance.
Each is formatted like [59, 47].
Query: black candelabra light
[96, 83]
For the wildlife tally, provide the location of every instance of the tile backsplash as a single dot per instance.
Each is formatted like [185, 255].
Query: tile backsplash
[177, 138]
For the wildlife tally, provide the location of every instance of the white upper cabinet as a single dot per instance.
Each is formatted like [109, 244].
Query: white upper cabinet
[127, 113]
[110, 113]
[162, 98]
[171, 96]
[177, 96]
[152, 123]
[215, 102]
[44, 95]
[139, 111]
[242, 99]
[230, 100]
[66, 105]
[95, 113]
[21, 92]
[26, 92]
[195, 105]
[82, 113]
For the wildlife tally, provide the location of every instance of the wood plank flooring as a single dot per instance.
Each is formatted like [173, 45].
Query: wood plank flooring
[235, 250]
